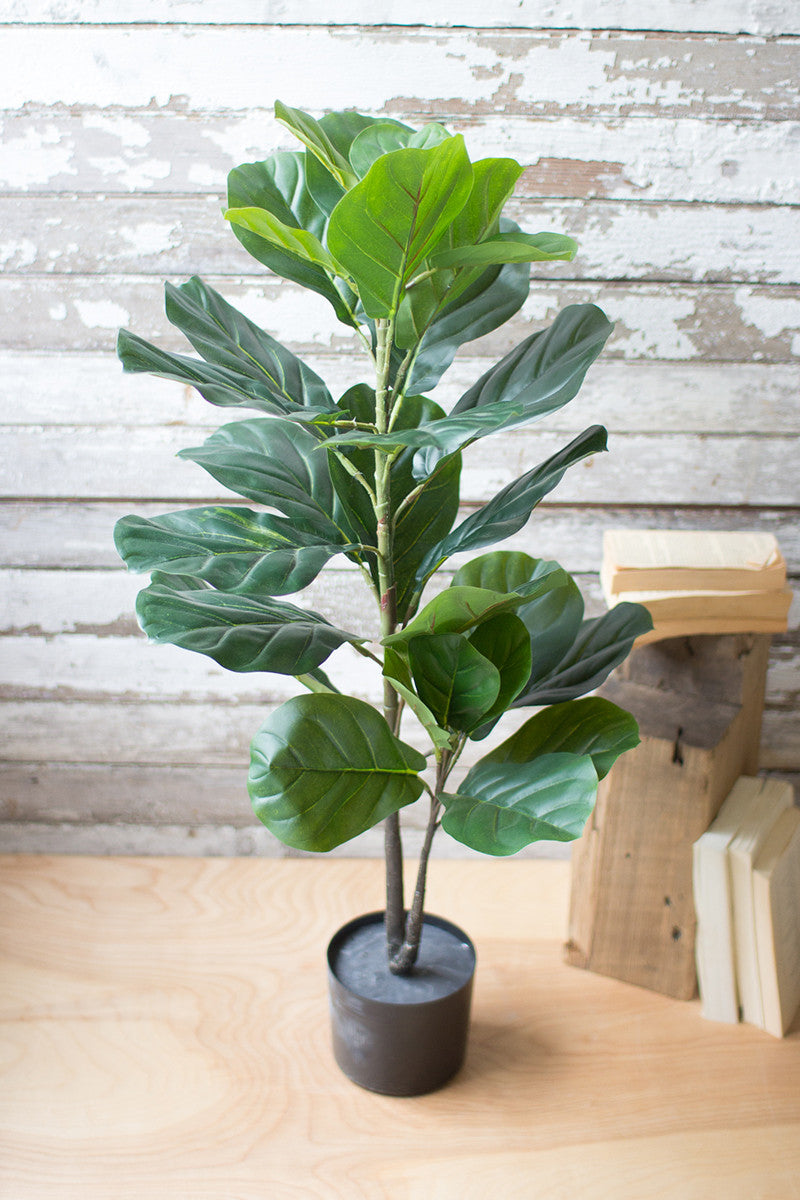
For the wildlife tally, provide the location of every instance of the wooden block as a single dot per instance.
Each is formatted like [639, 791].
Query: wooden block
[698, 704]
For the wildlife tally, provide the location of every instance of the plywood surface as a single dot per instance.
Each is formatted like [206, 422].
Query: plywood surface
[164, 1034]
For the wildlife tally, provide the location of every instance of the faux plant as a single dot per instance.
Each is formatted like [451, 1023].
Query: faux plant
[405, 238]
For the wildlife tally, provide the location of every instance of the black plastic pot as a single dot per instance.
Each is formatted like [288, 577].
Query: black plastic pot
[400, 1035]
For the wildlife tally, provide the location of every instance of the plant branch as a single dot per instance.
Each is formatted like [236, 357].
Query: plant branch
[354, 471]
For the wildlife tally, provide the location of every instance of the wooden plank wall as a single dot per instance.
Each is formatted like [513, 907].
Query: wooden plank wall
[666, 141]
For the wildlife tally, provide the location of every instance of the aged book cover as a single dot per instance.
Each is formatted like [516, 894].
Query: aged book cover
[776, 905]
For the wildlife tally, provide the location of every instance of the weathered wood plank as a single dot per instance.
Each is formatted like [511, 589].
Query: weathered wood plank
[641, 469]
[79, 535]
[617, 239]
[154, 732]
[212, 69]
[197, 735]
[674, 322]
[49, 388]
[641, 158]
[691, 16]
[91, 666]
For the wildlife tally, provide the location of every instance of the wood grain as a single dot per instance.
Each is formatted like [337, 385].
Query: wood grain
[644, 158]
[734, 16]
[165, 1033]
[220, 68]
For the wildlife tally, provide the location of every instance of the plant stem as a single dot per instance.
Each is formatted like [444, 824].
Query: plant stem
[393, 849]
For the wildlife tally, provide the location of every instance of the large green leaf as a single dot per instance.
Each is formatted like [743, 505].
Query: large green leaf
[218, 385]
[325, 768]
[599, 646]
[382, 229]
[509, 247]
[235, 549]
[502, 807]
[279, 185]
[509, 510]
[455, 610]
[456, 682]
[298, 243]
[239, 632]
[500, 571]
[552, 617]
[275, 463]
[227, 338]
[384, 136]
[592, 726]
[505, 642]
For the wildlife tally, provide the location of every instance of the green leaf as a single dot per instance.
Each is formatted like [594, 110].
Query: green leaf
[592, 726]
[452, 677]
[502, 807]
[239, 632]
[385, 226]
[226, 338]
[274, 463]
[218, 385]
[504, 641]
[455, 610]
[341, 130]
[235, 549]
[500, 570]
[440, 738]
[299, 243]
[509, 247]
[280, 185]
[493, 183]
[511, 508]
[600, 645]
[376, 140]
[483, 306]
[312, 134]
[325, 768]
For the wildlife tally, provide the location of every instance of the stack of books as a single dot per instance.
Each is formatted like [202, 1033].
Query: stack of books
[746, 878]
[698, 582]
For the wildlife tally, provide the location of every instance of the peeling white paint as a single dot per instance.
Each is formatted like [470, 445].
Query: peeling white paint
[18, 254]
[101, 314]
[770, 316]
[34, 159]
[58, 312]
[132, 176]
[151, 237]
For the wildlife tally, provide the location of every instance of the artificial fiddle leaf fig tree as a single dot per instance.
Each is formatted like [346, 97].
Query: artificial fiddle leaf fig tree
[404, 236]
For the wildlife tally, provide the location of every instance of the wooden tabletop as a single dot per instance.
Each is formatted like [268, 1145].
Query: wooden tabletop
[164, 1035]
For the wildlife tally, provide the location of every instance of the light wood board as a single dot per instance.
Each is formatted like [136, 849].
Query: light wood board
[165, 1034]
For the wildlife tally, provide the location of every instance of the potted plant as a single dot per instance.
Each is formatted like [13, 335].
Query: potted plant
[405, 238]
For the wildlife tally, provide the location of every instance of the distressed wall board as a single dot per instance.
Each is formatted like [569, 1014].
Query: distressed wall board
[663, 139]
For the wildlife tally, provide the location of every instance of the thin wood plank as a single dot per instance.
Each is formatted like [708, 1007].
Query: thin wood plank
[690, 16]
[616, 239]
[48, 388]
[77, 534]
[675, 322]
[175, 735]
[640, 158]
[139, 464]
[213, 69]
[204, 1091]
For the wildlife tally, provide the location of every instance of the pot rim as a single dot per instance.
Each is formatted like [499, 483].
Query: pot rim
[378, 917]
